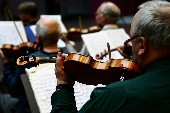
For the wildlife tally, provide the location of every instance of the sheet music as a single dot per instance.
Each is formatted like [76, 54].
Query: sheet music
[59, 19]
[9, 33]
[43, 82]
[83, 92]
[97, 42]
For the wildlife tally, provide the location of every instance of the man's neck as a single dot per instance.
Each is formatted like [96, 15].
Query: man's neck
[51, 49]
[110, 26]
[155, 54]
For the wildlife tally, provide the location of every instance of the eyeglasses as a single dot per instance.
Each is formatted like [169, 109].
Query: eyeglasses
[132, 38]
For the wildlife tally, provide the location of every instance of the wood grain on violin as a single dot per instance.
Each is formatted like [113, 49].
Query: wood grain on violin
[89, 71]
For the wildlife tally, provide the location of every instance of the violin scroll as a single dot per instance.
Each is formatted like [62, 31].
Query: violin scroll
[105, 52]
[24, 60]
[125, 51]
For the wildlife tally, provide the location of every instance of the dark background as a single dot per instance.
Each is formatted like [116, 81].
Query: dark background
[70, 10]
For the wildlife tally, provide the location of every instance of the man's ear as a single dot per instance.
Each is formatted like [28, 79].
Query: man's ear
[143, 46]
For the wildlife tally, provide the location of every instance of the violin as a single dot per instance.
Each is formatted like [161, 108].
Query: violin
[74, 34]
[86, 70]
[24, 48]
[93, 29]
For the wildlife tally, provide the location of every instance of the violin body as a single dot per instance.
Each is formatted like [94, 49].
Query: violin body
[94, 29]
[24, 48]
[85, 69]
[74, 34]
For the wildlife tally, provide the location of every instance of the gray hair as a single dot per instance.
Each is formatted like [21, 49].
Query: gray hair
[48, 29]
[153, 22]
[111, 10]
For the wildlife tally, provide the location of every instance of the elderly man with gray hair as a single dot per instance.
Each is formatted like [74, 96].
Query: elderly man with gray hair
[48, 32]
[147, 93]
[107, 15]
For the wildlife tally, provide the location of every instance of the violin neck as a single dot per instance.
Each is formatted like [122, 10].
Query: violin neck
[47, 59]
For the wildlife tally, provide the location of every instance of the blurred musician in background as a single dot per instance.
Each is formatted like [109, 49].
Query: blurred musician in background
[148, 92]
[107, 15]
[28, 13]
[8, 104]
[48, 32]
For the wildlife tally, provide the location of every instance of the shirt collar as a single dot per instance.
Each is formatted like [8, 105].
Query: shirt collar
[110, 26]
[160, 63]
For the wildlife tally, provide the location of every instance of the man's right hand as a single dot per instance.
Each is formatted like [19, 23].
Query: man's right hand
[62, 77]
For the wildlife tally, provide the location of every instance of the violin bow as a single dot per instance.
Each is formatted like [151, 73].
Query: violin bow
[109, 52]
[10, 16]
[80, 23]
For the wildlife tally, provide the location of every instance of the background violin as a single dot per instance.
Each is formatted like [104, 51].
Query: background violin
[25, 48]
[86, 70]
[74, 34]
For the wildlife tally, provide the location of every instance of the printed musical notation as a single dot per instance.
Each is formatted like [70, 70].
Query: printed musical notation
[43, 83]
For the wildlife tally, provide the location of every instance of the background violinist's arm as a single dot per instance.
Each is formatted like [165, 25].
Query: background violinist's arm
[69, 46]
[3, 59]
[11, 73]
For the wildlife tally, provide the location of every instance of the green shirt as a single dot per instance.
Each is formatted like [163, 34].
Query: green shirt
[148, 93]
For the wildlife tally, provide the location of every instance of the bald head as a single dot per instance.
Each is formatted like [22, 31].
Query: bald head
[110, 8]
[48, 29]
[109, 12]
